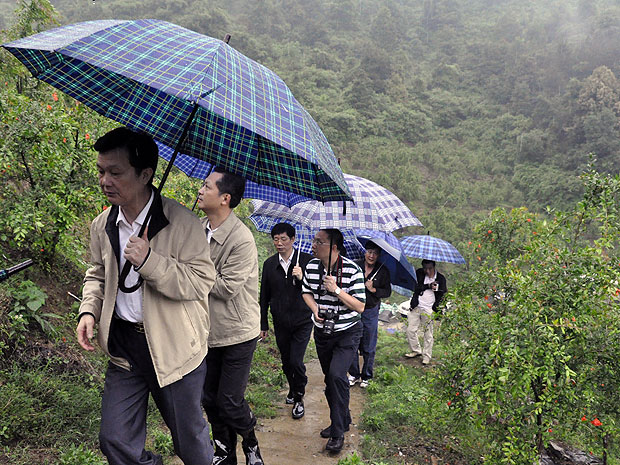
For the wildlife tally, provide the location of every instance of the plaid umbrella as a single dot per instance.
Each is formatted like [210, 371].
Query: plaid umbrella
[191, 92]
[431, 248]
[375, 208]
[200, 169]
[402, 274]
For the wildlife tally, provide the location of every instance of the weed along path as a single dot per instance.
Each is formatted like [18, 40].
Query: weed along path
[285, 441]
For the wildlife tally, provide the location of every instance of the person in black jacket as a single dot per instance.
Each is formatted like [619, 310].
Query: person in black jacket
[430, 288]
[292, 324]
[377, 282]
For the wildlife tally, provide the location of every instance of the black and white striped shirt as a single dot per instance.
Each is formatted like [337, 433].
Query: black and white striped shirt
[349, 278]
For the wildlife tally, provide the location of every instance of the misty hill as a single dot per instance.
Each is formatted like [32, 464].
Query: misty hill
[458, 106]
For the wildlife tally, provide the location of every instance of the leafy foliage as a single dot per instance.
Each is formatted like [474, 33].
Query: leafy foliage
[533, 342]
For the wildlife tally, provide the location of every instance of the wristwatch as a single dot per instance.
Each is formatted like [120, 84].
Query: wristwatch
[337, 291]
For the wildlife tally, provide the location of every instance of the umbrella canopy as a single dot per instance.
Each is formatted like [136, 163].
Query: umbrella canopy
[393, 257]
[402, 274]
[431, 248]
[191, 92]
[375, 208]
[200, 169]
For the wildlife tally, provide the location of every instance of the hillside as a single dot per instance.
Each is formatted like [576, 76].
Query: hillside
[457, 106]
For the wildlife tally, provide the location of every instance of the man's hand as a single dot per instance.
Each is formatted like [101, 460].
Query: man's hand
[264, 334]
[85, 332]
[297, 272]
[330, 283]
[137, 248]
[370, 286]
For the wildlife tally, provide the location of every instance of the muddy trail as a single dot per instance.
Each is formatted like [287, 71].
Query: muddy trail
[285, 441]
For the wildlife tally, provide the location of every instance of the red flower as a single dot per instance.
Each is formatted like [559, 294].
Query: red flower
[105, 207]
[617, 291]
[42, 249]
[489, 231]
[49, 107]
[596, 422]
[489, 305]
[573, 318]
[87, 136]
[550, 430]
[449, 403]
[583, 418]
[457, 393]
[486, 297]
[529, 220]
[55, 97]
[64, 339]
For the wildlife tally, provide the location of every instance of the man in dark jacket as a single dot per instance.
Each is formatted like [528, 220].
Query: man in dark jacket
[377, 282]
[281, 290]
[430, 288]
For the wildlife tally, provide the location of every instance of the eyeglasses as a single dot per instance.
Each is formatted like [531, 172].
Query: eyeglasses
[318, 242]
[372, 252]
[282, 240]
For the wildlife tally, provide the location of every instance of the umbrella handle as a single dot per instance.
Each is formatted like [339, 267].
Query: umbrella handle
[127, 267]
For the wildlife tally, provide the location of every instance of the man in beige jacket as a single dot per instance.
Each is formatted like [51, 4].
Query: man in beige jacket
[156, 336]
[235, 319]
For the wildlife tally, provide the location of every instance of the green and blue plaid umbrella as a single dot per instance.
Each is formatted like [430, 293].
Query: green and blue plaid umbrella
[431, 248]
[191, 92]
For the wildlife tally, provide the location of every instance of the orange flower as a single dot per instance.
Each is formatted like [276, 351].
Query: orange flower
[105, 207]
[49, 107]
[87, 136]
[489, 305]
[596, 422]
[64, 139]
[550, 430]
[529, 220]
[55, 97]
[583, 418]
[489, 232]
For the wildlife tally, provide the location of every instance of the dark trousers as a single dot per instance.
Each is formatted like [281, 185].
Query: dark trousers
[368, 344]
[292, 343]
[336, 352]
[124, 406]
[224, 389]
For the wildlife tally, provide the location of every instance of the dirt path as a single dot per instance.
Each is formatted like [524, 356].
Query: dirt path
[285, 441]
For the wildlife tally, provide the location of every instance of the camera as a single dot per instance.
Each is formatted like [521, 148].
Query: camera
[330, 316]
[435, 286]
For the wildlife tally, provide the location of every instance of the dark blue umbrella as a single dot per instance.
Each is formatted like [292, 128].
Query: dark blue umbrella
[431, 248]
[191, 92]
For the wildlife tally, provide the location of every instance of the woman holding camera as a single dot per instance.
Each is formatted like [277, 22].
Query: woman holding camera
[333, 288]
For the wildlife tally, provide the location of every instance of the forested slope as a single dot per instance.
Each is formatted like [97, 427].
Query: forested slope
[458, 106]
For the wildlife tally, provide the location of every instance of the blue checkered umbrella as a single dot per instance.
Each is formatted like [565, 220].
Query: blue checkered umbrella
[191, 92]
[431, 248]
[375, 208]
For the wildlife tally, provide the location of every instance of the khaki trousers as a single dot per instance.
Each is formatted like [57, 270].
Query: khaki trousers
[417, 318]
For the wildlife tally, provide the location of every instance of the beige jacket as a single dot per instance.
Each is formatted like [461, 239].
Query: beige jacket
[233, 301]
[178, 275]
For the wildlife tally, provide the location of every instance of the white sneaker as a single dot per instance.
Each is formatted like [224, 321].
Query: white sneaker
[426, 361]
[364, 383]
[353, 380]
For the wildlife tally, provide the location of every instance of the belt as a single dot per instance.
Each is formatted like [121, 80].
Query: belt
[137, 327]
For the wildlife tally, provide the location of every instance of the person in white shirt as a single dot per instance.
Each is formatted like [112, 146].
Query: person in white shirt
[430, 289]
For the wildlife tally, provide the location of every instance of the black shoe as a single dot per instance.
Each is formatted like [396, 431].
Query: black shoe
[225, 446]
[327, 432]
[335, 444]
[251, 449]
[290, 400]
[298, 410]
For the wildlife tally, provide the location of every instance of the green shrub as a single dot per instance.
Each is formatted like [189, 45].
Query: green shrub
[80, 455]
